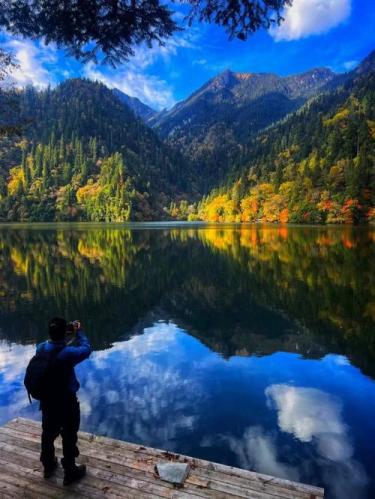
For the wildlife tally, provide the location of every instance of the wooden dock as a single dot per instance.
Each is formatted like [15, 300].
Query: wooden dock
[121, 469]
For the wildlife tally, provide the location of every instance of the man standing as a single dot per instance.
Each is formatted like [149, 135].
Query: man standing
[59, 405]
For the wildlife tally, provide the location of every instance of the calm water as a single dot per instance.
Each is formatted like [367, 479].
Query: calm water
[250, 346]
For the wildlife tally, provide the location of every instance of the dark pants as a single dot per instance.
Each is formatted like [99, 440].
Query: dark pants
[60, 417]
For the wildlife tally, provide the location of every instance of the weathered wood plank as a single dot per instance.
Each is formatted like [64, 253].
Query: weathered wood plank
[28, 454]
[32, 481]
[27, 486]
[127, 486]
[96, 483]
[143, 469]
[11, 487]
[228, 470]
[130, 467]
[30, 448]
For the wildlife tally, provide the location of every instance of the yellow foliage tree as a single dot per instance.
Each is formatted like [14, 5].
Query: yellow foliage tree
[16, 183]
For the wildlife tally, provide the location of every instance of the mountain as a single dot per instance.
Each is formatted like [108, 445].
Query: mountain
[367, 65]
[314, 166]
[85, 156]
[138, 107]
[255, 146]
[211, 125]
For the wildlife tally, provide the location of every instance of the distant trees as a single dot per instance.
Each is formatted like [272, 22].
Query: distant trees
[316, 167]
[85, 156]
[8, 103]
[109, 198]
[63, 181]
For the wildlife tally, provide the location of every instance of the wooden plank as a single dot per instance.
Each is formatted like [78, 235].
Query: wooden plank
[226, 471]
[32, 481]
[10, 488]
[197, 477]
[206, 465]
[23, 458]
[94, 485]
[230, 470]
[99, 468]
[205, 478]
[33, 446]
[26, 457]
[144, 470]
[26, 486]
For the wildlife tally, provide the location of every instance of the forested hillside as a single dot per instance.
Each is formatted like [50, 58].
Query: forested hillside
[294, 149]
[212, 126]
[84, 155]
[138, 107]
[316, 166]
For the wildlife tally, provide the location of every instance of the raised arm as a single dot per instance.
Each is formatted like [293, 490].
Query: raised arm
[79, 351]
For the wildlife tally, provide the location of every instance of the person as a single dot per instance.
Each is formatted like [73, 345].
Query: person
[60, 408]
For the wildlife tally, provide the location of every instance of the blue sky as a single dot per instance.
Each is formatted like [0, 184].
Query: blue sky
[315, 33]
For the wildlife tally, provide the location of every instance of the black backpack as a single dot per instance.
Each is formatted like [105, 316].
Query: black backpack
[45, 376]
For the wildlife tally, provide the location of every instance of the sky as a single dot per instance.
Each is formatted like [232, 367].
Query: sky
[315, 33]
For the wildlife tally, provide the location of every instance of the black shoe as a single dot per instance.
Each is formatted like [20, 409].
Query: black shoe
[73, 474]
[50, 468]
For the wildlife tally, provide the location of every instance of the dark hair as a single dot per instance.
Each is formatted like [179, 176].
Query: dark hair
[57, 328]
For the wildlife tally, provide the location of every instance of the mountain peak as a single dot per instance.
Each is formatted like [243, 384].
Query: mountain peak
[224, 79]
[228, 76]
[368, 64]
[243, 76]
[319, 72]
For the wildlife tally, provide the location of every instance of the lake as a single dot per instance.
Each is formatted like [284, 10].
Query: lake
[252, 346]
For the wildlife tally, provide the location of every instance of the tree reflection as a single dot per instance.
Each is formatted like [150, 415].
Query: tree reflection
[248, 290]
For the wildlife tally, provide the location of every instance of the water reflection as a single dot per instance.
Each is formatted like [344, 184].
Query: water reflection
[313, 415]
[139, 382]
[241, 291]
[251, 346]
[166, 389]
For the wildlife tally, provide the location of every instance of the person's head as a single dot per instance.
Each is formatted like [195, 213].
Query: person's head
[57, 328]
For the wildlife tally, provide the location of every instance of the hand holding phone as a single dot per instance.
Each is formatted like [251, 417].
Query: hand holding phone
[76, 325]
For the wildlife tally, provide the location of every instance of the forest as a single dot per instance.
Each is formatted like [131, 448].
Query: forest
[316, 166]
[82, 154]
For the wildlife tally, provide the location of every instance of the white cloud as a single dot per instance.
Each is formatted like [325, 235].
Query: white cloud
[200, 62]
[42, 65]
[13, 359]
[145, 56]
[256, 450]
[311, 17]
[348, 65]
[312, 415]
[134, 78]
[150, 400]
[13, 400]
[149, 89]
[31, 59]
[308, 413]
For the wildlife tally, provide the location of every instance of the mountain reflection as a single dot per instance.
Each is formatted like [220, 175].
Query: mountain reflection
[166, 389]
[253, 290]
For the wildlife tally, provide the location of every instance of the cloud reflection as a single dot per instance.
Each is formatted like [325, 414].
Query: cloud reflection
[13, 396]
[312, 415]
[256, 450]
[137, 390]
